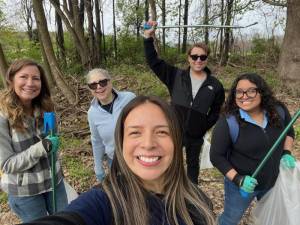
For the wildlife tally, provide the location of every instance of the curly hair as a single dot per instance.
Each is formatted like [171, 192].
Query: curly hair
[11, 105]
[268, 100]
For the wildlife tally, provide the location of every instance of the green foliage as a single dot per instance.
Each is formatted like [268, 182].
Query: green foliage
[267, 50]
[3, 197]
[16, 45]
[140, 80]
[297, 131]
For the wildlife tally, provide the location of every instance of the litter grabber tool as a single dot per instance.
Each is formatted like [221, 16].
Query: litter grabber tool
[148, 26]
[49, 129]
[272, 149]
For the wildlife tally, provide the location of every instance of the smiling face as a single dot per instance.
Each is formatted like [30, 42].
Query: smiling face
[148, 149]
[103, 94]
[27, 84]
[248, 103]
[197, 65]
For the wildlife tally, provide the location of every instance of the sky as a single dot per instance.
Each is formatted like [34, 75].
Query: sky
[270, 19]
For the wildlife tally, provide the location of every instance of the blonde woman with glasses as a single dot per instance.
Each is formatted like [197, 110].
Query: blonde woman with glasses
[103, 113]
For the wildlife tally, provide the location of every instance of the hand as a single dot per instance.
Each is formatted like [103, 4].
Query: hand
[288, 161]
[150, 32]
[248, 184]
[54, 143]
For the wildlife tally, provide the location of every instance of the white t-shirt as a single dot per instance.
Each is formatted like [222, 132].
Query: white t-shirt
[196, 83]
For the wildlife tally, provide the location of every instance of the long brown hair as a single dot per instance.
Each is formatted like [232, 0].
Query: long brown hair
[126, 192]
[11, 105]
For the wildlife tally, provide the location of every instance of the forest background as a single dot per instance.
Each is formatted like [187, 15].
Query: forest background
[70, 37]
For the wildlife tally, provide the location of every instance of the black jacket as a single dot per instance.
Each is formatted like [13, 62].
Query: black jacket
[196, 115]
[248, 151]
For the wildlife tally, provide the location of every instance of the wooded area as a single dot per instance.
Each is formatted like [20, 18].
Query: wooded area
[70, 37]
[79, 39]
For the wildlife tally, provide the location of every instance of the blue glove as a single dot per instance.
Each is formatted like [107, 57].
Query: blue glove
[249, 184]
[288, 161]
[54, 143]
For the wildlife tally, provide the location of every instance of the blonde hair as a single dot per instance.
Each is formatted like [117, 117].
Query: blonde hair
[126, 192]
[10, 103]
[103, 72]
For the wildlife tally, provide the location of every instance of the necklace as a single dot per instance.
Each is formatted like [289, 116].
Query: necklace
[108, 107]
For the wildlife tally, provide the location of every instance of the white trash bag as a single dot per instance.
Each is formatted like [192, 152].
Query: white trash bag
[281, 205]
[205, 158]
[71, 193]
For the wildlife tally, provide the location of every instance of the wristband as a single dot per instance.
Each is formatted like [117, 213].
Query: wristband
[238, 180]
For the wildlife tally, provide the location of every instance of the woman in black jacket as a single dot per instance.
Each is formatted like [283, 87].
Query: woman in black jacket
[236, 151]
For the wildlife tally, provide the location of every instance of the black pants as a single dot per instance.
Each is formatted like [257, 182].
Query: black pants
[193, 149]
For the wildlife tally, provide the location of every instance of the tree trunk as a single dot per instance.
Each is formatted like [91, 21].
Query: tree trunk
[221, 30]
[146, 10]
[185, 22]
[179, 23]
[137, 21]
[3, 66]
[71, 18]
[289, 61]
[91, 35]
[225, 53]
[163, 11]
[27, 11]
[60, 38]
[47, 45]
[115, 33]
[206, 31]
[98, 32]
[153, 10]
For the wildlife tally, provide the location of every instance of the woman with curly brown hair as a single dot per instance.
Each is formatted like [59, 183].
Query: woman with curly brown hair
[147, 184]
[24, 150]
[260, 118]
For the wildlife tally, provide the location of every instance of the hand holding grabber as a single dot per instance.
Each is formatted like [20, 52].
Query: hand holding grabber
[49, 129]
[245, 193]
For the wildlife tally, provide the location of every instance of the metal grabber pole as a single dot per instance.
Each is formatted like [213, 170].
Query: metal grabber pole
[49, 129]
[272, 149]
[147, 26]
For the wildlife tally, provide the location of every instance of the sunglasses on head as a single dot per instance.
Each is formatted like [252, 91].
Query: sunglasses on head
[195, 57]
[94, 85]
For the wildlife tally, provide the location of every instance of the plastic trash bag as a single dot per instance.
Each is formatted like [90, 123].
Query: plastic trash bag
[281, 205]
[71, 193]
[205, 158]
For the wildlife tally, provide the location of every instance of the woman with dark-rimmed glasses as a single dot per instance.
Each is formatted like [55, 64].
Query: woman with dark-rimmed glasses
[196, 95]
[102, 116]
[260, 118]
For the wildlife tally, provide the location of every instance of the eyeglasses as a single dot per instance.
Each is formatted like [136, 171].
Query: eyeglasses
[250, 93]
[102, 83]
[195, 57]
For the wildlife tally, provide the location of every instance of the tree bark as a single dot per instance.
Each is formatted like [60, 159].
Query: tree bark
[98, 32]
[3, 66]
[47, 45]
[163, 11]
[289, 60]
[179, 23]
[115, 32]
[206, 20]
[225, 53]
[185, 22]
[60, 38]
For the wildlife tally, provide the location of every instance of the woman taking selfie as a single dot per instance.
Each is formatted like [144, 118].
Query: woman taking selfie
[147, 184]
